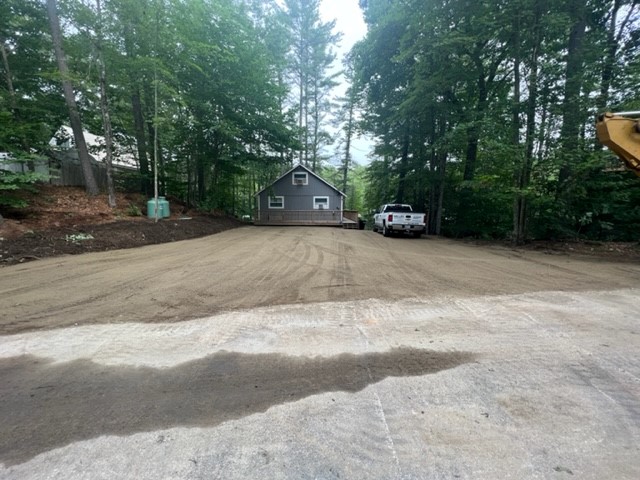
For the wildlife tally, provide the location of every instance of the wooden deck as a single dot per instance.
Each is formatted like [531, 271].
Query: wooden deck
[350, 224]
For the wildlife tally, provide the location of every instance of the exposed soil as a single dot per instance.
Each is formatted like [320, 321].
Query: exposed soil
[65, 221]
[623, 251]
[262, 266]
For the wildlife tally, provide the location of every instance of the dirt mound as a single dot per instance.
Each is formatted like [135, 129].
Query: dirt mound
[609, 251]
[51, 207]
[64, 220]
[623, 251]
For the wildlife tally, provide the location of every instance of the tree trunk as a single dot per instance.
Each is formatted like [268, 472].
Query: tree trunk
[74, 116]
[519, 203]
[200, 174]
[189, 178]
[162, 174]
[12, 94]
[316, 125]
[305, 133]
[402, 171]
[300, 118]
[303, 65]
[433, 155]
[532, 104]
[106, 117]
[13, 102]
[442, 165]
[141, 141]
[438, 165]
[347, 148]
[215, 168]
[150, 107]
[613, 40]
[474, 130]
[571, 114]
[138, 116]
[609, 58]
[614, 36]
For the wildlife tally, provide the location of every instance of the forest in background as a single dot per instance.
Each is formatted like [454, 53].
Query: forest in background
[482, 112]
[221, 94]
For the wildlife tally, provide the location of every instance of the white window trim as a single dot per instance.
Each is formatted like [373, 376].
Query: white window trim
[276, 197]
[306, 178]
[315, 205]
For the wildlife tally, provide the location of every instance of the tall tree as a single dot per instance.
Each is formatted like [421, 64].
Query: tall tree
[69, 95]
[31, 107]
[463, 99]
[310, 60]
[528, 31]
[134, 29]
[104, 105]
[574, 75]
[615, 31]
[347, 116]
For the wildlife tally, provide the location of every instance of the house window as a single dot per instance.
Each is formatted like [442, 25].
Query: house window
[320, 203]
[300, 178]
[276, 202]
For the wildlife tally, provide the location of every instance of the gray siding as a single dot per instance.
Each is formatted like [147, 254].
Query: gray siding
[299, 197]
[65, 169]
[299, 201]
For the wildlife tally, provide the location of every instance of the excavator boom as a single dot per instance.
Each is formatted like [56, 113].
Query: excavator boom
[621, 133]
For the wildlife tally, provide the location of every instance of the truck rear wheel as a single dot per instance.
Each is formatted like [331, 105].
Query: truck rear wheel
[385, 231]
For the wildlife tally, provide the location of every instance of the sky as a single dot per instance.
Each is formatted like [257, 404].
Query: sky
[348, 18]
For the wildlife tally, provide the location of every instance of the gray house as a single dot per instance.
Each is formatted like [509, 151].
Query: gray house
[300, 197]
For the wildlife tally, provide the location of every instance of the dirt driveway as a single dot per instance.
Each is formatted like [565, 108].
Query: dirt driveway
[319, 353]
[261, 266]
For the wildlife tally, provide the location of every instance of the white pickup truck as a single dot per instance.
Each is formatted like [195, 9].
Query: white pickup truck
[400, 218]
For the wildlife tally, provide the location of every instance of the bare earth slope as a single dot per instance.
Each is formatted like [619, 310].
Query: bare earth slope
[65, 221]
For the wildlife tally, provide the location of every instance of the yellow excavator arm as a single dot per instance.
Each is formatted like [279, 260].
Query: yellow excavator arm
[621, 133]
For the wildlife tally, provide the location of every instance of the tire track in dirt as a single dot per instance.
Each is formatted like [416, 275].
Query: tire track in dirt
[262, 266]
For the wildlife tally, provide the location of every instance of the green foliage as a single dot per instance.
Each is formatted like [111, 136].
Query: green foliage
[482, 111]
[218, 67]
[483, 114]
[356, 190]
[310, 58]
[478, 210]
[12, 183]
[33, 108]
[133, 210]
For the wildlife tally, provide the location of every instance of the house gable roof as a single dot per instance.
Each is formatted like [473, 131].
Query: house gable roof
[295, 167]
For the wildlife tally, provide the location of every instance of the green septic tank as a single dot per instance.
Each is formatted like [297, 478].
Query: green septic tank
[166, 213]
[163, 208]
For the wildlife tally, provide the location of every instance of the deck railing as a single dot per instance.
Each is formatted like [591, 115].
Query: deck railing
[350, 215]
[303, 217]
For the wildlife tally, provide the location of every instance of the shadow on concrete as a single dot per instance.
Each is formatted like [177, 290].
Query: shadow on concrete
[45, 406]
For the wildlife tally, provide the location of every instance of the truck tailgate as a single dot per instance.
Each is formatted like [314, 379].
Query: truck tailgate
[408, 218]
